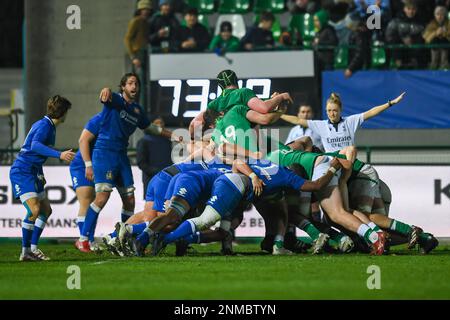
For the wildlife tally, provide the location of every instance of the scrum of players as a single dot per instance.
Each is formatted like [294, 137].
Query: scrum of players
[230, 164]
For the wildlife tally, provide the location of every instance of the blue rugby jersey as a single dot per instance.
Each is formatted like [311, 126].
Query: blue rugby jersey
[43, 132]
[120, 120]
[93, 126]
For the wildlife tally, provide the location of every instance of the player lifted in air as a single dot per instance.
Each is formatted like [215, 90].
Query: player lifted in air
[27, 177]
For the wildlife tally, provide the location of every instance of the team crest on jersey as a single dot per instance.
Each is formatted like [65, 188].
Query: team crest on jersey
[109, 175]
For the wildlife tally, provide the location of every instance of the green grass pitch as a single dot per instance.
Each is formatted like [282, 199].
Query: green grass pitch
[205, 274]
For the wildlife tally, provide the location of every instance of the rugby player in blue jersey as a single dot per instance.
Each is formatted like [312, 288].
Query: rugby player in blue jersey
[121, 115]
[27, 177]
[230, 189]
[82, 174]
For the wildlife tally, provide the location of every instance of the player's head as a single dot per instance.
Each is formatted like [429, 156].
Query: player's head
[57, 108]
[305, 111]
[129, 85]
[227, 79]
[334, 108]
[209, 119]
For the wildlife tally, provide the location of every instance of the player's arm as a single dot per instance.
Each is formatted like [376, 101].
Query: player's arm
[236, 150]
[379, 109]
[322, 182]
[84, 144]
[266, 106]
[38, 146]
[263, 119]
[240, 166]
[295, 120]
[110, 99]
[158, 131]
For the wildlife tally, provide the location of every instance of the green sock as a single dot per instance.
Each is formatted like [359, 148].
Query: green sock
[400, 227]
[370, 236]
[279, 244]
[311, 230]
[335, 237]
[374, 227]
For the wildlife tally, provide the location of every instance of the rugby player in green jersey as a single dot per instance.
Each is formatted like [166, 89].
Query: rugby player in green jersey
[232, 96]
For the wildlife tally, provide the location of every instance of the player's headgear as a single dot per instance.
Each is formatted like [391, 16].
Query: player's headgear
[227, 78]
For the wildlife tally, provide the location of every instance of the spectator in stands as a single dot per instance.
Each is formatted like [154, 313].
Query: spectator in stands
[305, 111]
[359, 53]
[337, 11]
[194, 37]
[304, 6]
[438, 32]
[153, 153]
[260, 36]
[136, 38]
[425, 7]
[325, 36]
[406, 29]
[224, 41]
[164, 28]
[444, 3]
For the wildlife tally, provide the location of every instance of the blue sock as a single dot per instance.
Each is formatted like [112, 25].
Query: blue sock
[193, 238]
[183, 230]
[80, 223]
[113, 234]
[144, 238]
[92, 233]
[39, 226]
[126, 215]
[90, 220]
[138, 228]
[27, 232]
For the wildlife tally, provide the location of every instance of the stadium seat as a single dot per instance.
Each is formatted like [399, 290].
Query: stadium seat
[237, 21]
[203, 6]
[303, 26]
[378, 59]
[234, 6]
[274, 6]
[276, 27]
[341, 58]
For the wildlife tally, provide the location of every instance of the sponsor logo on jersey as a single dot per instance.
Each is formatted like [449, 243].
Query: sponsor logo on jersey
[182, 192]
[128, 117]
[213, 199]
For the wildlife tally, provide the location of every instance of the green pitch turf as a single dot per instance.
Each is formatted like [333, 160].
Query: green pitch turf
[207, 275]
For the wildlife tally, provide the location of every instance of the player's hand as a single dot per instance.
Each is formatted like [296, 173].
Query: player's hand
[258, 185]
[89, 173]
[398, 99]
[67, 156]
[348, 73]
[106, 95]
[335, 163]
[274, 94]
[287, 97]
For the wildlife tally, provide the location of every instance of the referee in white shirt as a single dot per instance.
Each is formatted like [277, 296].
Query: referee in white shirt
[306, 112]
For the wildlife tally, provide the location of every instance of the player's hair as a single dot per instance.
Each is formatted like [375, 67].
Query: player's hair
[336, 99]
[209, 117]
[125, 78]
[227, 78]
[57, 107]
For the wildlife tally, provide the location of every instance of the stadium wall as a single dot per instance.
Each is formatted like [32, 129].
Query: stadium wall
[74, 63]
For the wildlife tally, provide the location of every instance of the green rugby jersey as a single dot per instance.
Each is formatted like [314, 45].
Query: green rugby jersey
[230, 98]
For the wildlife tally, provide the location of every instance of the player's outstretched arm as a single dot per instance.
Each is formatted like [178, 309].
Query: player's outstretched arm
[269, 105]
[46, 151]
[263, 119]
[295, 120]
[322, 182]
[158, 131]
[109, 98]
[84, 144]
[240, 166]
[379, 109]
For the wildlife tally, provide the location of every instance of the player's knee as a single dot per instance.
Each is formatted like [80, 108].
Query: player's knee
[101, 199]
[34, 210]
[207, 219]
[126, 192]
[129, 203]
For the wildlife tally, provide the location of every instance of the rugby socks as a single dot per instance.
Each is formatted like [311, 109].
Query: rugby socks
[279, 241]
[136, 228]
[368, 234]
[183, 230]
[89, 221]
[144, 237]
[193, 238]
[310, 229]
[80, 223]
[92, 233]
[404, 229]
[27, 232]
[374, 227]
[39, 226]
[125, 215]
